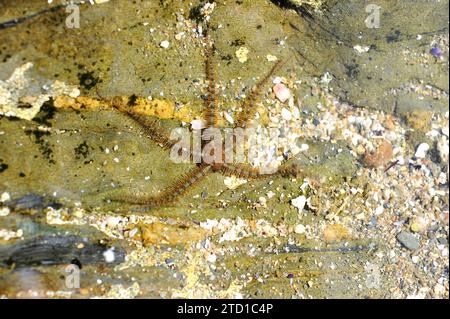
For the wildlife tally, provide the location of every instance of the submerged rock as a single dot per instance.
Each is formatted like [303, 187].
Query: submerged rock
[408, 240]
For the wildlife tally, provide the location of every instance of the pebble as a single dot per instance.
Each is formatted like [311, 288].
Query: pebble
[436, 52]
[113, 221]
[408, 240]
[299, 203]
[282, 92]
[4, 211]
[212, 258]
[242, 54]
[5, 197]
[271, 58]
[334, 233]
[228, 118]
[109, 255]
[270, 194]
[286, 114]
[361, 49]
[304, 147]
[164, 44]
[232, 182]
[381, 156]
[300, 229]
[262, 201]
[418, 225]
[422, 150]
[179, 36]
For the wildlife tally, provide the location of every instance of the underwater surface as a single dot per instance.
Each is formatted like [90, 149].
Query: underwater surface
[93, 203]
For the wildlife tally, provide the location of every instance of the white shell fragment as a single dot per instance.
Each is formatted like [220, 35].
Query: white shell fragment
[109, 255]
[300, 229]
[164, 44]
[361, 49]
[286, 114]
[299, 203]
[232, 182]
[282, 92]
[242, 54]
[422, 150]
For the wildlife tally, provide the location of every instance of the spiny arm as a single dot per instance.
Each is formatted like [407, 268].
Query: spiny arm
[246, 171]
[211, 102]
[248, 107]
[153, 130]
[171, 193]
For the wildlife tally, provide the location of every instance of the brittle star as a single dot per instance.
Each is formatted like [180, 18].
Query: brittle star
[211, 117]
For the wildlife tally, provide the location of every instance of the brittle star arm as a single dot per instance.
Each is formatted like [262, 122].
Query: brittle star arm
[171, 193]
[211, 102]
[246, 171]
[248, 107]
[148, 125]
[153, 130]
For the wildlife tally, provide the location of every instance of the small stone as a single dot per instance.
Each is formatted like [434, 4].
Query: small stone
[299, 203]
[5, 197]
[382, 155]
[198, 124]
[109, 255]
[300, 229]
[304, 147]
[270, 194]
[232, 182]
[282, 92]
[179, 36]
[419, 120]
[334, 233]
[361, 49]
[436, 52]
[271, 58]
[439, 290]
[242, 54]
[228, 118]
[360, 216]
[360, 150]
[415, 227]
[286, 114]
[78, 213]
[212, 258]
[422, 150]
[418, 225]
[113, 221]
[4, 211]
[408, 240]
[263, 201]
[164, 44]
[379, 210]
